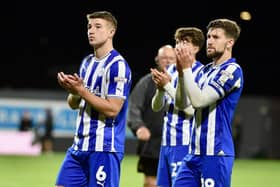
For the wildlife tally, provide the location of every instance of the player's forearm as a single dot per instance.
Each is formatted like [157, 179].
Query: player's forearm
[158, 100]
[110, 107]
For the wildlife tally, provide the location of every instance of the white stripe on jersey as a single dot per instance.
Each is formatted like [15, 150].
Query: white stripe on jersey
[186, 130]
[164, 131]
[113, 138]
[211, 130]
[107, 74]
[192, 130]
[85, 143]
[197, 140]
[197, 132]
[100, 133]
[237, 84]
[120, 84]
[173, 128]
[76, 140]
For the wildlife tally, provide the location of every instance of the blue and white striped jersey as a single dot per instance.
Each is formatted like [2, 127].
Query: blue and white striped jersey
[108, 77]
[177, 124]
[212, 132]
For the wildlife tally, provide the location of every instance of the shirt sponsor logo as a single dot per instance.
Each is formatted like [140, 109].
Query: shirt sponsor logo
[120, 79]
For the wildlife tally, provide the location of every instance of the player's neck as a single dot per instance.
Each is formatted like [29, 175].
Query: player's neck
[102, 51]
[222, 59]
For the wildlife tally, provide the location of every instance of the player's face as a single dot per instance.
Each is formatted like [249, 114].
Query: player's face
[216, 43]
[99, 31]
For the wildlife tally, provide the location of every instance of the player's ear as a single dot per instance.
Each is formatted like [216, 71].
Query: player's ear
[112, 31]
[230, 43]
[196, 49]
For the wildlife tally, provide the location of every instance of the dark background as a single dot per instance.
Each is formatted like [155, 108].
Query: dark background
[40, 38]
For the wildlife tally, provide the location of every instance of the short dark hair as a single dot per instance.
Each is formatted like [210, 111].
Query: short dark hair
[230, 27]
[104, 15]
[190, 34]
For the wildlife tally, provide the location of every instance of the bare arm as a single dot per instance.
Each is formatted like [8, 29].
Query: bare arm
[110, 107]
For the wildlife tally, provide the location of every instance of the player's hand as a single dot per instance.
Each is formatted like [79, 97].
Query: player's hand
[63, 81]
[160, 78]
[77, 84]
[185, 57]
[167, 77]
[72, 83]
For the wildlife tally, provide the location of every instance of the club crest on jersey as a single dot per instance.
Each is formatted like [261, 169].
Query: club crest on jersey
[120, 79]
[227, 74]
[225, 77]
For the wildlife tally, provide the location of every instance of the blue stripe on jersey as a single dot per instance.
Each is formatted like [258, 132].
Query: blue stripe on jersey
[113, 84]
[212, 135]
[84, 65]
[79, 132]
[95, 132]
[89, 81]
[177, 124]
[197, 66]
[204, 130]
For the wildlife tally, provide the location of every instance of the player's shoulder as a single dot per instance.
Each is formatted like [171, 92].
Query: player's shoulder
[232, 63]
[116, 56]
[232, 68]
[86, 60]
[116, 60]
[197, 66]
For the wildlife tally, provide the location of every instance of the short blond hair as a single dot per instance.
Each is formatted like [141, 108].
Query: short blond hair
[104, 15]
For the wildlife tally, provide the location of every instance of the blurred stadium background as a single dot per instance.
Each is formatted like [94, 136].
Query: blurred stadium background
[41, 38]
